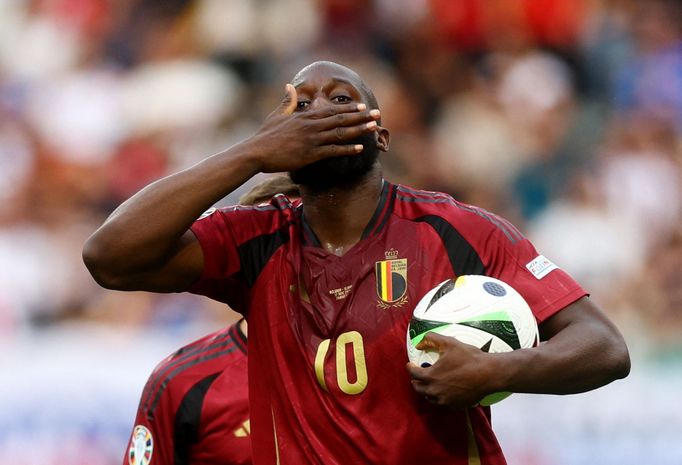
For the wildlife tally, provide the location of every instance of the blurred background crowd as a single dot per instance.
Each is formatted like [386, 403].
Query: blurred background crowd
[565, 116]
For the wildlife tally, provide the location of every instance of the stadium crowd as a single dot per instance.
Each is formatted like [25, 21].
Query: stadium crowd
[564, 116]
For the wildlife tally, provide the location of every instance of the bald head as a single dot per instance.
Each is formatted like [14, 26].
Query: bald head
[335, 71]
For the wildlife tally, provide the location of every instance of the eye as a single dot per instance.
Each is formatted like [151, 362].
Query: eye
[302, 104]
[341, 99]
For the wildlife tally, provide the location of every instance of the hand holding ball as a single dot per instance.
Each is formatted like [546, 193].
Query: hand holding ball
[477, 310]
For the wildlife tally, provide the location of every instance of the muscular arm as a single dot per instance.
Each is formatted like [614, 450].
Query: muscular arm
[583, 350]
[146, 243]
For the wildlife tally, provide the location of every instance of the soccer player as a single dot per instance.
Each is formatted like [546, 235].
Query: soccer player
[194, 408]
[328, 285]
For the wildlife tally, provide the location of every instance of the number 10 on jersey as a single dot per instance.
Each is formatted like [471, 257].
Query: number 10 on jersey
[352, 339]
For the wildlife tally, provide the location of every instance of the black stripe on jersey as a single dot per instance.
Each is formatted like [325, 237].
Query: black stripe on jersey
[463, 257]
[513, 234]
[164, 384]
[238, 336]
[255, 253]
[220, 342]
[188, 420]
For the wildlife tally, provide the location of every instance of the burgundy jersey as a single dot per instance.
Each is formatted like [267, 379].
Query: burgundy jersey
[194, 408]
[327, 334]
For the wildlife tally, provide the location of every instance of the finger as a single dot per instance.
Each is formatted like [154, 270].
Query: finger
[435, 341]
[419, 388]
[290, 101]
[348, 119]
[332, 110]
[341, 134]
[418, 373]
[337, 150]
[426, 392]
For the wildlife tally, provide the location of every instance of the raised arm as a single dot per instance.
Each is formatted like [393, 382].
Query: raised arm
[146, 243]
[582, 350]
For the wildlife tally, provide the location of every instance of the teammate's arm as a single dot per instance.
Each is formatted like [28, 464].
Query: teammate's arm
[146, 244]
[583, 350]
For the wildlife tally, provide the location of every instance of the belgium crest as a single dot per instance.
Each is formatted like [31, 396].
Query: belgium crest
[391, 280]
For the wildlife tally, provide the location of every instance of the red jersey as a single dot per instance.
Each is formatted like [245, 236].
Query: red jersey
[194, 408]
[327, 334]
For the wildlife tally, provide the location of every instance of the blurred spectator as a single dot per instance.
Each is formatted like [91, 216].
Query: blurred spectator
[581, 235]
[651, 82]
[641, 180]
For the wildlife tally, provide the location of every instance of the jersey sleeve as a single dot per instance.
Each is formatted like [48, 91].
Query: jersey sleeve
[509, 256]
[151, 441]
[220, 279]
[233, 241]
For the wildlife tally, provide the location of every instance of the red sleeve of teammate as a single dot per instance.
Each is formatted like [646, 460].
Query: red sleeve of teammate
[512, 258]
[151, 441]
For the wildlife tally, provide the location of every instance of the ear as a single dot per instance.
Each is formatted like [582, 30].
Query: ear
[383, 138]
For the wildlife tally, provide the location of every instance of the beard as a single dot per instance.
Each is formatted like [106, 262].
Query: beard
[341, 171]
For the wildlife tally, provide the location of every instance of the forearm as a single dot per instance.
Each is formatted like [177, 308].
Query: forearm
[144, 231]
[581, 356]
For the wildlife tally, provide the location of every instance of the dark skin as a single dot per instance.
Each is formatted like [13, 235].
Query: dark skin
[146, 243]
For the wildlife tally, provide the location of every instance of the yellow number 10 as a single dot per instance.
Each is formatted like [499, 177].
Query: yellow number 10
[355, 339]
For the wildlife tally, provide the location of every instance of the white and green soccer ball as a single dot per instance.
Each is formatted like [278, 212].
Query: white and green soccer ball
[478, 310]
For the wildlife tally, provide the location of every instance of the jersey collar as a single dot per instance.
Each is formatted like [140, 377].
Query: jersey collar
[375, 225]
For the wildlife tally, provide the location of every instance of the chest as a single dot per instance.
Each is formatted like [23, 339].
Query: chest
[371, 289]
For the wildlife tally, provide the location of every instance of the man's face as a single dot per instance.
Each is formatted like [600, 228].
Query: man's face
[326, 84]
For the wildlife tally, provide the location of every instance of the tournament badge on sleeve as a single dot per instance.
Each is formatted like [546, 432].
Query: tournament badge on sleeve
[391, 277]
[141, 446]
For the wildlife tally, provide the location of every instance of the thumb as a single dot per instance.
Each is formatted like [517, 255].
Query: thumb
[290, 101]
[433, 341]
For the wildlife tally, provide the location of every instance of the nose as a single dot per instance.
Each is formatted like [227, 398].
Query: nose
[319, 102]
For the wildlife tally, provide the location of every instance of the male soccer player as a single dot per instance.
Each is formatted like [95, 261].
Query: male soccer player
[194, 408]
[328, 285]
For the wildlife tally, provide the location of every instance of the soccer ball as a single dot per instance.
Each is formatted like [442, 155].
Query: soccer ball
[478, 310]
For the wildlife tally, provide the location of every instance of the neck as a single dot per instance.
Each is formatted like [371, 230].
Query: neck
[338, 216]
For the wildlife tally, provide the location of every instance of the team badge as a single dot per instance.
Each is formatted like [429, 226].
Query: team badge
[391, 277]
[141, 446]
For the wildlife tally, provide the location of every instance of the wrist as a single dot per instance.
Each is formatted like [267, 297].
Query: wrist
[247, 157]
[504, 368]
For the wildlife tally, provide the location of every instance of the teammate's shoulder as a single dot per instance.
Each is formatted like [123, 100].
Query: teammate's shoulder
[277, 204]
[209, 347]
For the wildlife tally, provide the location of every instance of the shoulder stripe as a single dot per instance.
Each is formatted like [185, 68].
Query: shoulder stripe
[173, 374]
[463, 257]
[188, 358]
[188, 420]
[418, 193]
[507, 229]
[238, 336]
